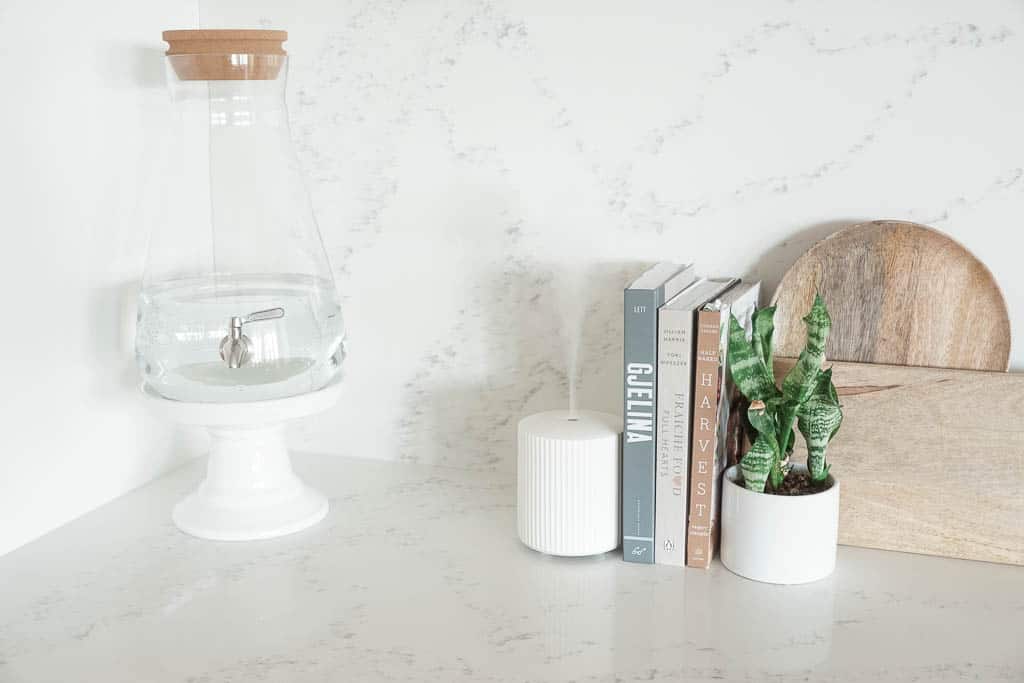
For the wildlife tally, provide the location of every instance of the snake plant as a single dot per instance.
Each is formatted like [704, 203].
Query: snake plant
[807, 398]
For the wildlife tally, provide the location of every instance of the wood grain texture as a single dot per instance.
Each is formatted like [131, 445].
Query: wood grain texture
[900, 294]
[930, 460]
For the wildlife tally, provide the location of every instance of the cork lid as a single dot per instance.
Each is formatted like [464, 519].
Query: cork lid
[226, 54]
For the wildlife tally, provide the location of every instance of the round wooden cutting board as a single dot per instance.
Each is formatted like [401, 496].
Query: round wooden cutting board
[899, 294]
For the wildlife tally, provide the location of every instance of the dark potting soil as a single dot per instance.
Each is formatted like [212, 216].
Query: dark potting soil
[796, 484]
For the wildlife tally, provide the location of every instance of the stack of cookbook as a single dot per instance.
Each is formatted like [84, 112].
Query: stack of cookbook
[681, 413]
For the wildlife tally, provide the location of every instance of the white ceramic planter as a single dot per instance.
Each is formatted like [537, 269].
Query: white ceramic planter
[779, 539]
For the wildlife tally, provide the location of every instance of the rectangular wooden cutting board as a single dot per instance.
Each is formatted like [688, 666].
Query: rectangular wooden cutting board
[930, 460]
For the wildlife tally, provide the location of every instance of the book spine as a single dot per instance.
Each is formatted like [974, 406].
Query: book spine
[707, 384]
[640, 349]
[675, 351]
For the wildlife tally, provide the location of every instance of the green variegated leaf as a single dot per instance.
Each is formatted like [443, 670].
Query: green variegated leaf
[787, 438]
[748, 429]
[777, 473]
[756, 464]
[802, 378]
[747, 369]
[827, 387]
[764, 329]
[763, 421]
[819, 420]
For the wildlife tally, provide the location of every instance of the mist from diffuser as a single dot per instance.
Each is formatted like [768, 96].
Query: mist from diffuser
[240, 330]
[569, 285]
[232, 236]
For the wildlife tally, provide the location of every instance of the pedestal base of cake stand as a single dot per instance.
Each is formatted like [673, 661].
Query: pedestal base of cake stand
[250, 491]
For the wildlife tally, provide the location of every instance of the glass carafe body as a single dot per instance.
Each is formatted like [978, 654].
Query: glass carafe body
[238, 301]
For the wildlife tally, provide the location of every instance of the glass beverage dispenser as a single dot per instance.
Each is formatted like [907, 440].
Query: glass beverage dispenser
[239, 327]
[238, 301]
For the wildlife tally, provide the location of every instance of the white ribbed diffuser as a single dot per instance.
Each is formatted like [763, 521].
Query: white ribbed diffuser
[567, 490]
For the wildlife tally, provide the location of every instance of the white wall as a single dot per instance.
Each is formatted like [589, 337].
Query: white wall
[483, 172]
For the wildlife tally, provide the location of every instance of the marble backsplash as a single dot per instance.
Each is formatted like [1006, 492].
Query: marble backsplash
[487, 176]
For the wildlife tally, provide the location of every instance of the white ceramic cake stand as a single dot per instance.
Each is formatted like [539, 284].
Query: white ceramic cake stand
[250, 491]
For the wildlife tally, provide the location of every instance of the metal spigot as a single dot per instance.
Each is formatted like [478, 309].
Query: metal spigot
[234, 348]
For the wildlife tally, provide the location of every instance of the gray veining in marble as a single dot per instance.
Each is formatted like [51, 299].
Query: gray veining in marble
[487, 174]
[417, 575]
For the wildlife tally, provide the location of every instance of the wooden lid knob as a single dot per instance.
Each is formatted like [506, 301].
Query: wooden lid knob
[214, 54]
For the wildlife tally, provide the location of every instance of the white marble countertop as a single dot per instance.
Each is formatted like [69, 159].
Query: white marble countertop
[417, 575]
